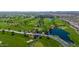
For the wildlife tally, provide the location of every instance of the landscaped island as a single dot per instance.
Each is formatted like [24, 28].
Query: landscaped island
[37, 31]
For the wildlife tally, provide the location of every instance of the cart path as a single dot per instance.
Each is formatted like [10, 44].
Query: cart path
[61, 41]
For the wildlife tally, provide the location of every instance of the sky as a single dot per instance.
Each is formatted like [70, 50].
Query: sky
[39, 5]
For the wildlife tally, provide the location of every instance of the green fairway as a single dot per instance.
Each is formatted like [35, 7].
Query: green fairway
[18, 40]
[74, 36]
[41, 25]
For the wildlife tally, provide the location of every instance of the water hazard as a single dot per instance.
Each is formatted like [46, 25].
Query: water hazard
[61, 33]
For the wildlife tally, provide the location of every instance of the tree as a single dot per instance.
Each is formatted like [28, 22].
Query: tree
[3, 31]
[41, 22]
[12, 33]
[24, 33]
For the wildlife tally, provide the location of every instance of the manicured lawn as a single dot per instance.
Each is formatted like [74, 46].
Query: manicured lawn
[29, 24]
[46, 42]
[74, 36]
[19, 40]
[15, 40]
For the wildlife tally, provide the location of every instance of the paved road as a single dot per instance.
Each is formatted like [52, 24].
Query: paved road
[73, 24]
[61, 41]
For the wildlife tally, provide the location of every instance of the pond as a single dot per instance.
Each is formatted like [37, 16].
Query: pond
[61, 33]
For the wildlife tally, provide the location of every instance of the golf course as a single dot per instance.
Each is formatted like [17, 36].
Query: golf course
[19, 31]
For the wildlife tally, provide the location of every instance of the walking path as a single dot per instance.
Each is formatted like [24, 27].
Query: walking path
[61, 41]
